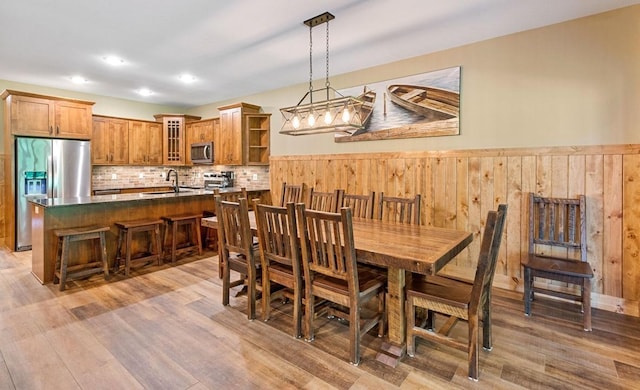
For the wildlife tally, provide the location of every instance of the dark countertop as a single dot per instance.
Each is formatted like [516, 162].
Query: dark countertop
[141, 196]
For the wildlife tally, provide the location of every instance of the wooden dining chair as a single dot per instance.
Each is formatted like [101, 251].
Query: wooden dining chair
[403, 210]
[461, 301]
[361, 205]
[236, 250]
[325, 201]
[558, 251]
[280, 257]
[331, 272]
[291, 193]
[210, 235]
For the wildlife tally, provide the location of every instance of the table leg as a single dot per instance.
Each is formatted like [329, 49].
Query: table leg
[394, 349]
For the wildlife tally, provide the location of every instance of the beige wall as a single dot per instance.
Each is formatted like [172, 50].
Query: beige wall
[574, 83]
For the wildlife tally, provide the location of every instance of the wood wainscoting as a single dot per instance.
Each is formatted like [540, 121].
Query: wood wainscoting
[459, 187]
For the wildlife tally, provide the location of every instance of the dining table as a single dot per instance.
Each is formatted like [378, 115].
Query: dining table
[398, 247]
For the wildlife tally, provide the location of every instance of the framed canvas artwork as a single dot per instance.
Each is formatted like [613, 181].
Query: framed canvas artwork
[422, 105]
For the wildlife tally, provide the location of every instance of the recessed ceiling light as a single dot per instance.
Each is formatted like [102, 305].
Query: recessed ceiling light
[145, 92]
[113, 60]
[187, 78]
[79, 80]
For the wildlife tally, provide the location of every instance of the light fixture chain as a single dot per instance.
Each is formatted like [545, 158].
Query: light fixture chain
[327, 57]
[311, 64]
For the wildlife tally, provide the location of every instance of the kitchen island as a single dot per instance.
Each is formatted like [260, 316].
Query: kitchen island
[104, 210]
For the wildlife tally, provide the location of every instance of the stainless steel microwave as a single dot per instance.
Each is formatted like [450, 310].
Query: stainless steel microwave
[202, 153]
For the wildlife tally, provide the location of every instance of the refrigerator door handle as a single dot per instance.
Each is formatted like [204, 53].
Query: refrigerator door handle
[51, 176]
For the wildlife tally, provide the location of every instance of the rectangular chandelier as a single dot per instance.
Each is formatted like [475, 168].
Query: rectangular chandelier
[340, 114]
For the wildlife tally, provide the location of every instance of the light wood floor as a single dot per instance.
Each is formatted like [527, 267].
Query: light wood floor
[166, 329]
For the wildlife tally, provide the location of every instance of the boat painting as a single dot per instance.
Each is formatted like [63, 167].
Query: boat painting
[423, 105]
[432, 103]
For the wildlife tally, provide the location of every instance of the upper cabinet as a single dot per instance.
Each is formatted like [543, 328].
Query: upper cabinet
[257, 132]
[110, 141]
[173, 137]
[145, 143]
[45, 116]
[229, 141]
[200, 131]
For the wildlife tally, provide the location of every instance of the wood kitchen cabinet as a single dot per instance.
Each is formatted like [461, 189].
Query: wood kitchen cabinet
[257, 133]
[145, 143]
[229, 142]
[46, 116]
[173, 137]
[200, 131]
[110, 141]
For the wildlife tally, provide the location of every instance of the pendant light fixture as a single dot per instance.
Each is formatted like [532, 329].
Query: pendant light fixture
[337, 114]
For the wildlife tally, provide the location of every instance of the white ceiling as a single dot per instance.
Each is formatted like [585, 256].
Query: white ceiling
[240, 47]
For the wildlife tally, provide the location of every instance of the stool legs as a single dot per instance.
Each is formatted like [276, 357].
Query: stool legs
[65, 237]
[192, 232]
[152, 251]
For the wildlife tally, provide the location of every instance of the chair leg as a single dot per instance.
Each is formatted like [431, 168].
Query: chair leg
[251, 294]
[411, 323]
[297, 313]
[586, 304]
[474, 366]
[266, 295]
[487, 341]
[527, 291]
[354, 334]
[226, 275]
[309, 312]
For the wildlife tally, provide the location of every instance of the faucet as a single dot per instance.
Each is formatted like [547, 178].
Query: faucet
[176, 187]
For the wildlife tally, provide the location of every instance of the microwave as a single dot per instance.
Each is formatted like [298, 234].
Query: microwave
[202, 153]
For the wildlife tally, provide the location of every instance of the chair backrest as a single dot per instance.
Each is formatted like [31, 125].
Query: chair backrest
[361, 205]
[232, 196]
[488, 257]
[291, 194]
[278, 236]
[327, 245]
[325, 201]
[404, 210]
[234, 229]
[556, 223]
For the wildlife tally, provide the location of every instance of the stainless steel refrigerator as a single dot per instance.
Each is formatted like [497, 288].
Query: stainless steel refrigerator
[48, 168]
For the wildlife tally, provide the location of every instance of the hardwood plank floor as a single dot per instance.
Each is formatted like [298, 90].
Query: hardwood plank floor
[165, 328]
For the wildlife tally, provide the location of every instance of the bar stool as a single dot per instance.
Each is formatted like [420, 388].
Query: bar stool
[192, 230]
[126, 232]
[63, 271]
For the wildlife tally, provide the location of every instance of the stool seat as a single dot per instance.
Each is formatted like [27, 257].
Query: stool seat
[126, 231]
[63, 271]
[192, 230]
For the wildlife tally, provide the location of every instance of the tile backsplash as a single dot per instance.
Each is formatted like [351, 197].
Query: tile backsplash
[120, 176]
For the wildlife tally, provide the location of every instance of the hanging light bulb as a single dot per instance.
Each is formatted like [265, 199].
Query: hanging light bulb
[327, 117]
[311, 119]
[295, 122]
[346, 115]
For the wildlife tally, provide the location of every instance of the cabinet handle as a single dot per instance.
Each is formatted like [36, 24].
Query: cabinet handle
[57, 129]
[50, 129]
[107, 157]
